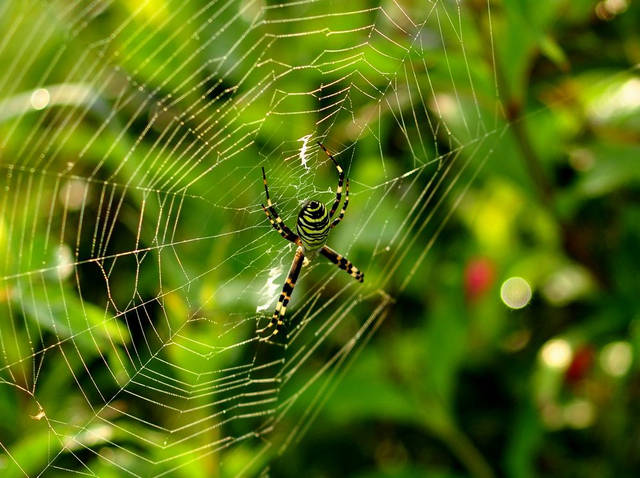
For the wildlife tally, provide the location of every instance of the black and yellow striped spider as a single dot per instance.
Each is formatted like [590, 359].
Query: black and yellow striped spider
[313, 226]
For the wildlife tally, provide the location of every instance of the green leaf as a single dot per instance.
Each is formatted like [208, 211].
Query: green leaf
[58, 309]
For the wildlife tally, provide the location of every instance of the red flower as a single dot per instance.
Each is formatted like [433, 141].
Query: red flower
[479, 275]
[580, 364]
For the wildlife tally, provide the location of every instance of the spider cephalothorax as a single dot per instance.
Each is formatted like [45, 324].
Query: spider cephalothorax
[313, 227]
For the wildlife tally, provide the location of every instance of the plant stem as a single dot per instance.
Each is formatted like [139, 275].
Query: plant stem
[462, 447]
[512, 108]
[533, 164]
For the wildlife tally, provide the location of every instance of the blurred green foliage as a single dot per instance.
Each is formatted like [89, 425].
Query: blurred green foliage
[134, 250]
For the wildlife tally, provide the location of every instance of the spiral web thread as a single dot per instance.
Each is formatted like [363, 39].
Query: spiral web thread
[111, 135]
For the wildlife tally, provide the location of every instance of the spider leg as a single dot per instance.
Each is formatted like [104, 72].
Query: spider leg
[336, 202]
[274, 218]
[342, 263]
[276, 325]
[344, 205]
[284, 232]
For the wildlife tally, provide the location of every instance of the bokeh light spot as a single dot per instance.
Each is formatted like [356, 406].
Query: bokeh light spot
[515, 292]
[40, 99]
[616, 7]
[73, 194]
[608, 9]
[616, 358]
[556, 353]
[579, 413]
[566, 284]
[64, 261]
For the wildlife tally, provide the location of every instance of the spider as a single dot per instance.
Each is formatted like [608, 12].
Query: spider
[313, 227]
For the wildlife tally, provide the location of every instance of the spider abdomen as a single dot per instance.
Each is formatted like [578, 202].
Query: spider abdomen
[313, 225]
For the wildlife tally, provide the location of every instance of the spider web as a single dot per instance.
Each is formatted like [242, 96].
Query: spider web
[137, 262]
